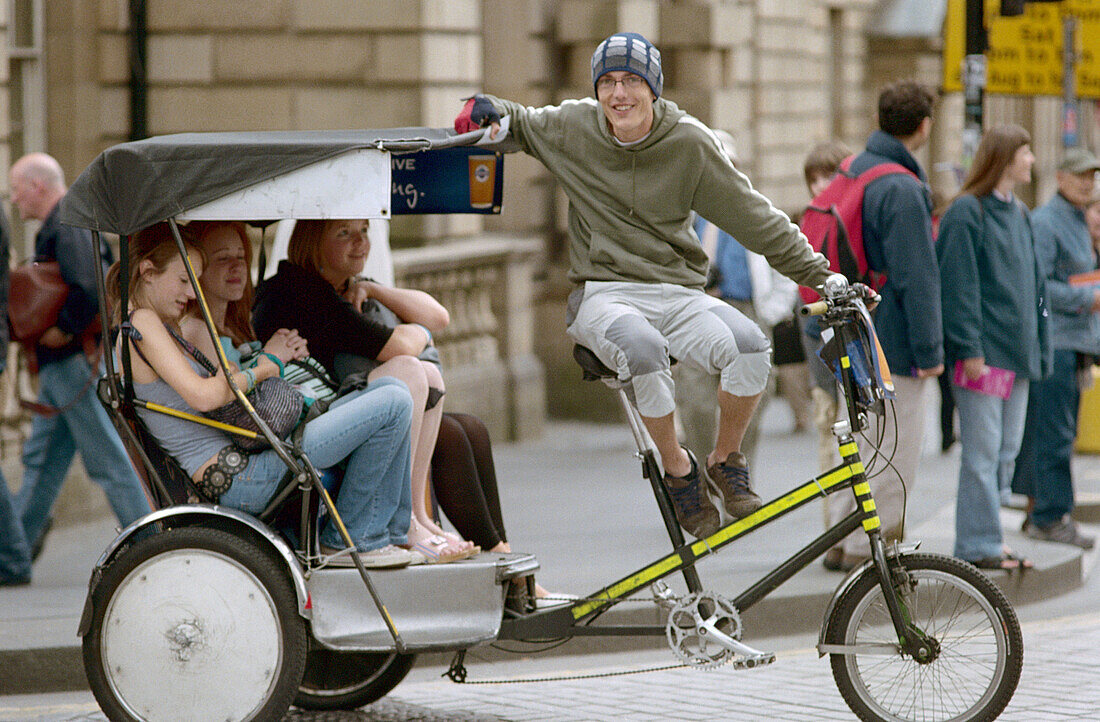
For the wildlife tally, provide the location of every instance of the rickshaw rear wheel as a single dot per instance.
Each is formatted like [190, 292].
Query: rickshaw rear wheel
[195, 623]
[336, 680]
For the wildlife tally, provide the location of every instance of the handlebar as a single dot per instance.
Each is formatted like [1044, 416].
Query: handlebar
[817, 308]
[838, 295]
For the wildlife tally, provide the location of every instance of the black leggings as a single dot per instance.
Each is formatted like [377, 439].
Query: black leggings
[465, 481]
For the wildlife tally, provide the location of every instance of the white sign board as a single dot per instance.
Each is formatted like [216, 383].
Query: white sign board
[351, 185]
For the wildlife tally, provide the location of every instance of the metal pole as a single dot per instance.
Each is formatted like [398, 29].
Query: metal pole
[973, 78]
[139, 78]
[1069, 81]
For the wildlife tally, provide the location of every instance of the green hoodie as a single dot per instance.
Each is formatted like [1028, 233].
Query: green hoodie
[630, 207]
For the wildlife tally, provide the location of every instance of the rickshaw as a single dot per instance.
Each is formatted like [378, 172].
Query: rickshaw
[198, 611]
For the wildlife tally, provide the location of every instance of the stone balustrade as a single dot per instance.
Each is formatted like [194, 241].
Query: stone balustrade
[487, 350]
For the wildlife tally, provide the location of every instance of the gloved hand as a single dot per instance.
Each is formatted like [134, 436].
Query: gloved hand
[869, 295]
[477, 113]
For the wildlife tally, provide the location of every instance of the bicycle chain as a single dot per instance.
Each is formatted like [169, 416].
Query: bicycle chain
[564, 678]
[457, 672]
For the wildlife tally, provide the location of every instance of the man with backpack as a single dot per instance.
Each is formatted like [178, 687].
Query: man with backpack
[897, 242]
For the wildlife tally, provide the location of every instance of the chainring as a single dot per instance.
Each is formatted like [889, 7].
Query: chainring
[689, 637]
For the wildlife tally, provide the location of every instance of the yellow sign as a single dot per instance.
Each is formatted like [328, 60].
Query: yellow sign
[1025, 52]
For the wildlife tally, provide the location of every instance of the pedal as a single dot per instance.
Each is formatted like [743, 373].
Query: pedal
[663, 596]
[757, 660]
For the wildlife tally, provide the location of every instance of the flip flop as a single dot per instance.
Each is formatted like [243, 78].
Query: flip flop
[438, 550]
[1006, 562]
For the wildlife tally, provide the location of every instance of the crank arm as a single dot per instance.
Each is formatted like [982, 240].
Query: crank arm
[713, 634]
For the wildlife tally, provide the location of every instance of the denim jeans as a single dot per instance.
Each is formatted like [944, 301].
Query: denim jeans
[15, 553]
[990, 431]
[1043, 468]
[49, 451]
[370, 430]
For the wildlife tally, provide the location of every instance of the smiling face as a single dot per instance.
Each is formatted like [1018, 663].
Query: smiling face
[344, 250]
[167, 292]
[225, 274]
[627, 103]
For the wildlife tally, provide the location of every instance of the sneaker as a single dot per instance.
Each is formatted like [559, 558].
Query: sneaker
[694, 509]
[388, 557]
[1063, 531]
[731, 479]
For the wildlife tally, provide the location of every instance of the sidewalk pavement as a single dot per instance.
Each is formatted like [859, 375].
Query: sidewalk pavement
[576, 499]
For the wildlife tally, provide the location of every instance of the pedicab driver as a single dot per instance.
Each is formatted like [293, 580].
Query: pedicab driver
[634, 166]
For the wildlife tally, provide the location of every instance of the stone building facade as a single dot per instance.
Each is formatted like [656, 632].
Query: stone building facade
[780, 75]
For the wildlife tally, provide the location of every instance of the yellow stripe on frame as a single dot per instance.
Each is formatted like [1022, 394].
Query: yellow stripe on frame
[869, 505]
[673, 562]
[871, 524]
[766, 512]
[862, 488]
[848, 449]
[629, 584]
[845, 361]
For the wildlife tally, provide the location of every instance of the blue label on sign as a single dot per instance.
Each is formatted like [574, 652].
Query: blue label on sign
[450, 180]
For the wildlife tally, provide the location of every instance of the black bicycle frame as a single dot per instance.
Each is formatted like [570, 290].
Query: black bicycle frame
[576, 619]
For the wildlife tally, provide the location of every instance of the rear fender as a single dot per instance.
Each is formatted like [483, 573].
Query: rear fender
[191, 515]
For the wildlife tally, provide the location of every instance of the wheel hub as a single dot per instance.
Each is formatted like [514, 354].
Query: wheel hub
[185, 639]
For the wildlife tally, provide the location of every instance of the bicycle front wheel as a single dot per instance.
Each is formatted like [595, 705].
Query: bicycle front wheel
[974, 631]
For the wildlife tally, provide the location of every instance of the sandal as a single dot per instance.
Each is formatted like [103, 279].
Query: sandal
[1006, 562]
[456, 540]
[438, 550]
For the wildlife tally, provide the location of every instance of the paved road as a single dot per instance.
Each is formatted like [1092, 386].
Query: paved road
[1062, 664]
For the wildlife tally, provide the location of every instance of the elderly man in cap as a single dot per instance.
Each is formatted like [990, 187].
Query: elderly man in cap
[1064, 250]
[634, 166]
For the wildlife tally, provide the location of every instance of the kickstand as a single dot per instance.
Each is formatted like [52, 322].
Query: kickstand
[457, 671]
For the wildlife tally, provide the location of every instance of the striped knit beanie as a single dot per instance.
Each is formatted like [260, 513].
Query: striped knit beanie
[630, 52]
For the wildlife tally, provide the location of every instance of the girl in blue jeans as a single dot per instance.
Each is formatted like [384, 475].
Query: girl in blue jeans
[994, 324]
[368, 430]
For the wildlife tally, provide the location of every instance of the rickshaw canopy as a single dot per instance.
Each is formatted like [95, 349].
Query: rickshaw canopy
[133, 185]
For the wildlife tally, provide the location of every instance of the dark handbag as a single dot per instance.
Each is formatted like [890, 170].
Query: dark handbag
[35, 298]
[276, 402]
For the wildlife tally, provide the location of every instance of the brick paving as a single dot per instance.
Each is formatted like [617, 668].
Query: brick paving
[1059, 683]
[1061, 668]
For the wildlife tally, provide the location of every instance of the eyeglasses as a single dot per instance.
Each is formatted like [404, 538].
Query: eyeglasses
[631, 82]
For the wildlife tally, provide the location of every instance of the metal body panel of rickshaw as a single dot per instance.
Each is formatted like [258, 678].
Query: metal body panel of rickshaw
[435, 606]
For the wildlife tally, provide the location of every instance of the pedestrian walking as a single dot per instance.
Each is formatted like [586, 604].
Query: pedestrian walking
[66, 375]
[15, 553]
